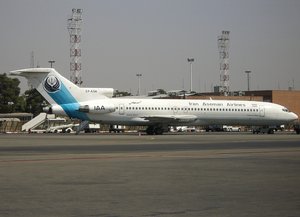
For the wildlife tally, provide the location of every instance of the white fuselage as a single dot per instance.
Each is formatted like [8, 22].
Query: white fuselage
[91, 104]
[134, 111]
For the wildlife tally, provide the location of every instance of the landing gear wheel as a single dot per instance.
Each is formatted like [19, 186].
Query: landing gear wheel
[154, 130]
[150, 130]
[159, 131]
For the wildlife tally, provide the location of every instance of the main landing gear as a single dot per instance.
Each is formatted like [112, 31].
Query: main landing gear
[155, 130]
[264, 130]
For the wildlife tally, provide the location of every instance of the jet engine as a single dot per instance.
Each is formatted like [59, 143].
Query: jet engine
[100, 108]
[54, 109]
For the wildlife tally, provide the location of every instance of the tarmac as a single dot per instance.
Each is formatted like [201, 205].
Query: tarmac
[202, 174]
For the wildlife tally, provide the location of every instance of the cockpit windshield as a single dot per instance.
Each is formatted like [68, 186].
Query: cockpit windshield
[285, 110]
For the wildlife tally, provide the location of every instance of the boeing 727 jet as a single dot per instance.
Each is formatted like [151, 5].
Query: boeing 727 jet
[92, 104]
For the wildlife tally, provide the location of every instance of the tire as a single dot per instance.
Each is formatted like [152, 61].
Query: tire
[150, 130]
[159, 131]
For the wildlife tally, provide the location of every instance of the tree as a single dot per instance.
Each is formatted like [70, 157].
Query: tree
[161, 91]
[34, 102]
[121, 93]
[9, 94]
[11, 101]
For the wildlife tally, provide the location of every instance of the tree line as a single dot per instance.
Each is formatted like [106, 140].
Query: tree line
[11, 101]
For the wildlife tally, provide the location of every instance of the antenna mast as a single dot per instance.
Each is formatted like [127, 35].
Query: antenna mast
[32, 59]
[74, 28]
[223, 46]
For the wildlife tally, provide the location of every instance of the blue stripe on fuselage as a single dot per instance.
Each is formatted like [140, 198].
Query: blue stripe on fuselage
[69, 104]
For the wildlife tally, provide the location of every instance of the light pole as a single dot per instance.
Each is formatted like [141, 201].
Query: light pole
[191, 60]
[11, 106]
[51, 62]
[248, 78]
[139, 78]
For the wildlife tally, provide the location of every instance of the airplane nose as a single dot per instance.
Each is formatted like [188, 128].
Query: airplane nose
[294, 116]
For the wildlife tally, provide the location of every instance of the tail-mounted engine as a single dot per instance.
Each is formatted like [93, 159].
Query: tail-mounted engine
[97, 108]
[54, 109]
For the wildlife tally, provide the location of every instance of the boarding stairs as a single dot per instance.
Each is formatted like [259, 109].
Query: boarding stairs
[39, 119]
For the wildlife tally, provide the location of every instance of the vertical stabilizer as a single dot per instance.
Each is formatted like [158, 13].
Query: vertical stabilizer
[54, 87]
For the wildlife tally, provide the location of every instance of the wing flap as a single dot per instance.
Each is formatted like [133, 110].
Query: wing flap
[171, 119]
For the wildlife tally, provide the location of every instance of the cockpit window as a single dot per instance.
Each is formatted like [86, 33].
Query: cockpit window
[285, 110]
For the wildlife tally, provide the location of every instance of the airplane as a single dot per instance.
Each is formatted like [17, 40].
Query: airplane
[93, 104]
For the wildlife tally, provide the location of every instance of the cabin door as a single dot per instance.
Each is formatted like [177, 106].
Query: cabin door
[121, 109]
[261, 111]
[175, 110]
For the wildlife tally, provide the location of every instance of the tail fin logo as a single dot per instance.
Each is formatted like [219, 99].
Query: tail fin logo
[52, 84]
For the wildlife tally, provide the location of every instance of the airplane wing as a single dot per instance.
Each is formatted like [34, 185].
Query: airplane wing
[171, 119]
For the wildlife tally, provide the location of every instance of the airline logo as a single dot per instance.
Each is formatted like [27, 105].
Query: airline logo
[52, 84]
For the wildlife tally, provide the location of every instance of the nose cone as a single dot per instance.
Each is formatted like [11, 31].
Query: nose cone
[294, 117]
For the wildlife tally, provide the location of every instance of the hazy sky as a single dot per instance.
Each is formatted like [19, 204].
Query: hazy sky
[155, 37]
